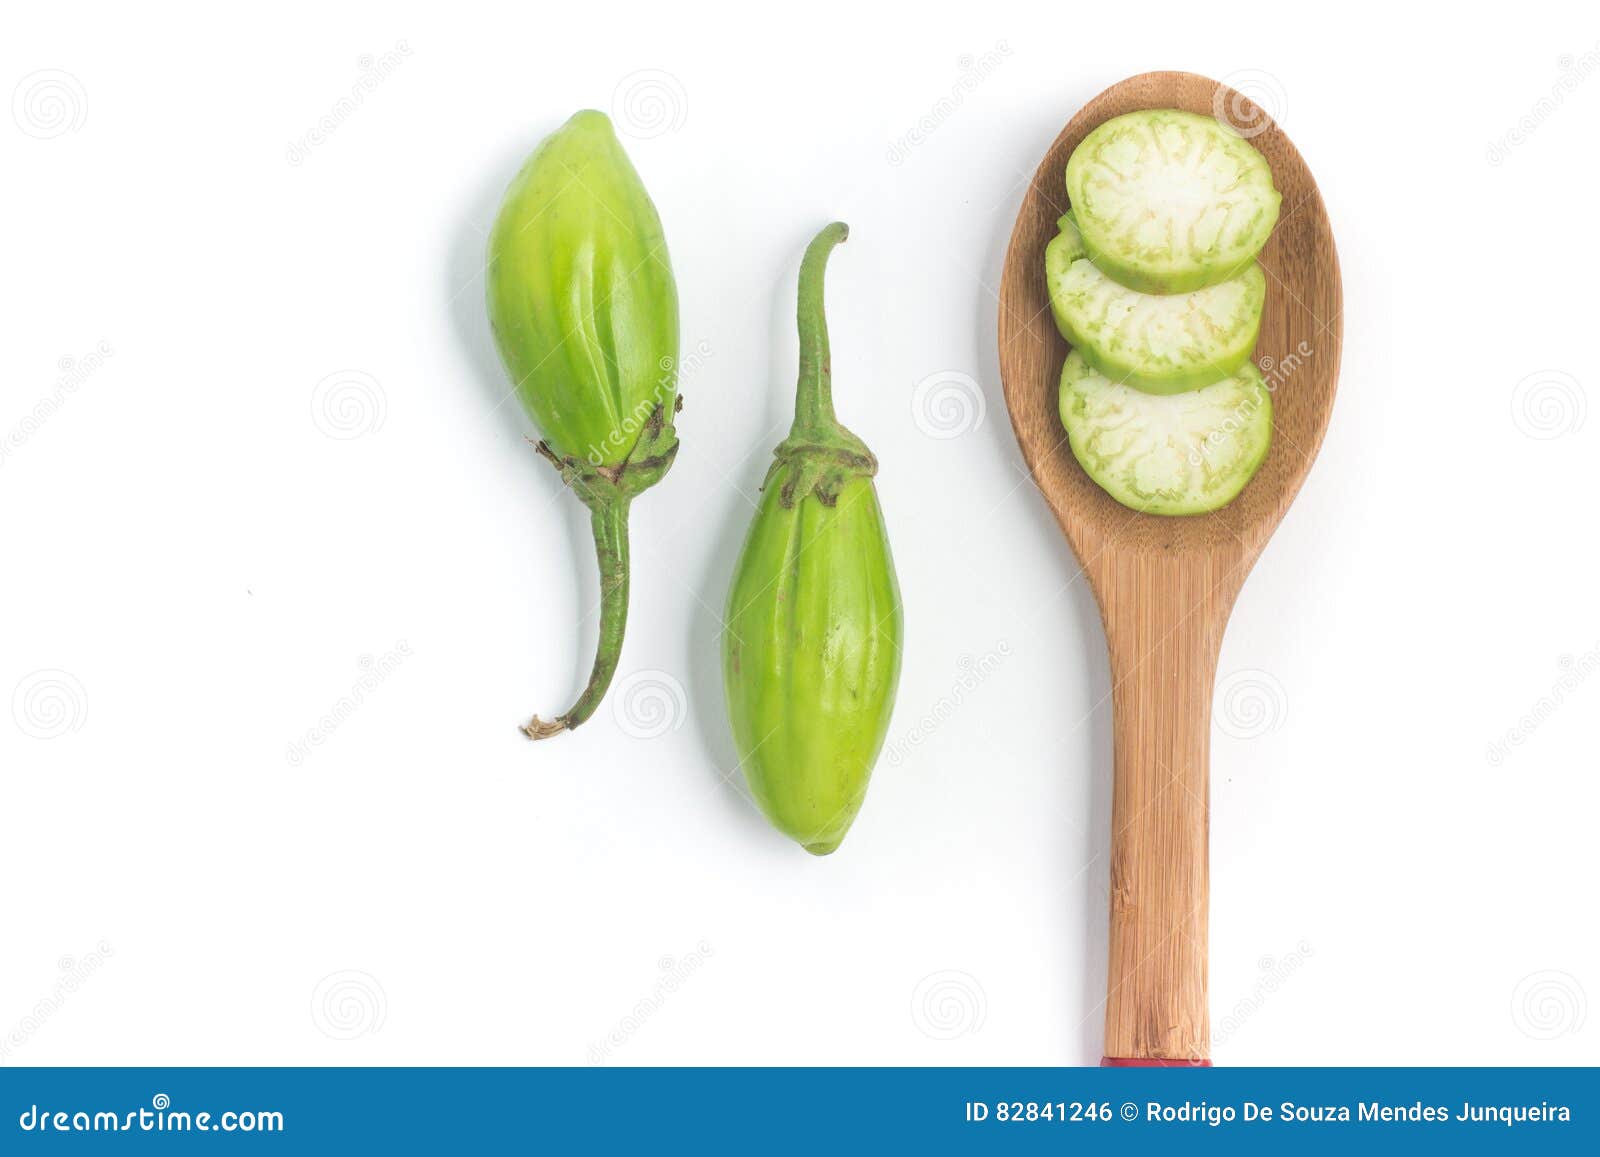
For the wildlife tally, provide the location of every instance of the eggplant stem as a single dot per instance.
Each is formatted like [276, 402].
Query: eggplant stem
[813, 409]
[608, 516]
[820, 455]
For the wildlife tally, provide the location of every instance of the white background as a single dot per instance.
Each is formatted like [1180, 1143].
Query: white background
[201, 548]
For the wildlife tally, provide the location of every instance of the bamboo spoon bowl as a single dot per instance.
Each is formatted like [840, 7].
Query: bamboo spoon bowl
[1166, 585]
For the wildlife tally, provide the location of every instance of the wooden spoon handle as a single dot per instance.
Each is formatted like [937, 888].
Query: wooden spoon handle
[1164, 623]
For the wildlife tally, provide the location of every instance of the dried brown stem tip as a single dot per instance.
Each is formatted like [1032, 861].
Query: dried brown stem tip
[537, 728]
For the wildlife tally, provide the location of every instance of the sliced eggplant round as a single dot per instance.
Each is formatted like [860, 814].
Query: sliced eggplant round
[1167, 454]
[1160, 343]
[1170, 201]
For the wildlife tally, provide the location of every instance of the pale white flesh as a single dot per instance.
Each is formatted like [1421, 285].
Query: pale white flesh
[1170, 201]
[1167, 454]
[1163, 343]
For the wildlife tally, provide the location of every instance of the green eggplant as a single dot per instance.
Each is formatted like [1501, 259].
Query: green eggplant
[585, 312]
[811, 646]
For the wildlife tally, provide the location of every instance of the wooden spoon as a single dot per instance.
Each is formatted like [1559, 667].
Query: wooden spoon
[1166, 585]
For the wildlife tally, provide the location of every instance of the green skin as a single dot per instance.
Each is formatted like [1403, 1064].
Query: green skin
[811, 648]
[585, 311]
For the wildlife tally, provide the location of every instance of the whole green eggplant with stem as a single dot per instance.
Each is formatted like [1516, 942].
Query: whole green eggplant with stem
[811, 646]
[585, 312]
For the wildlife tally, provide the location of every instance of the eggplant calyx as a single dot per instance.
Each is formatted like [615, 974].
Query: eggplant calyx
[646, 464]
